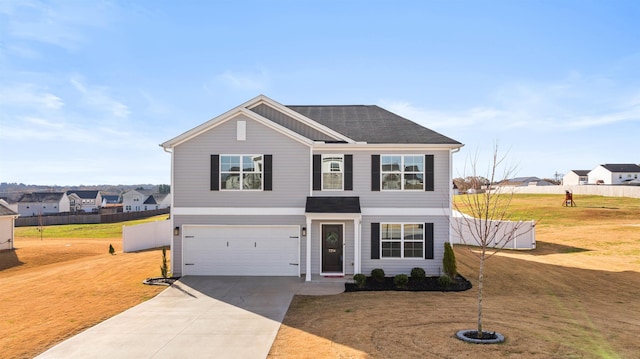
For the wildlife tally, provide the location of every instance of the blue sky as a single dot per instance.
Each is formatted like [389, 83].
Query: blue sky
[88, 89]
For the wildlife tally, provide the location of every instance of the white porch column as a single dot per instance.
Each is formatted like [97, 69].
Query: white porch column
[356, 246]
[308, 259]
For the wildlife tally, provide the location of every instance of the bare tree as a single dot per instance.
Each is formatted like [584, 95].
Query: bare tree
[486, 223]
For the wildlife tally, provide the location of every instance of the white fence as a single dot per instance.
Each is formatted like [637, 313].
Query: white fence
[597, 190]
[525, 235]
[146, 236]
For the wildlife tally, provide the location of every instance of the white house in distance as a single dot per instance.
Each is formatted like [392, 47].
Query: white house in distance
[144, 200]
[576, 177]
[7, 221]
[36, 203]
[614, 174]
[87, 201]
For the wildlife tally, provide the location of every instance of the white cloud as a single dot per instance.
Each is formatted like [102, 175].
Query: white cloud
[576, 102]
[29, 95]
[99, 99]
[256, 81]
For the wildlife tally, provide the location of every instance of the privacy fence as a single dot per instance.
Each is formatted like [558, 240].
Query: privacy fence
[88, 218]
[524, 233]
[146, 236]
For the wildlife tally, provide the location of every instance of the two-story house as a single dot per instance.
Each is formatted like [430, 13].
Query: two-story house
[614, 173]
[268, 189]
[39, 203]
[85, 201]
[576, 177]
[144, 200]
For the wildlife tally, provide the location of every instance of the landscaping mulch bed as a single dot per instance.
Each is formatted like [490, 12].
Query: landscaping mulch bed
[428, 284]
[160, 281]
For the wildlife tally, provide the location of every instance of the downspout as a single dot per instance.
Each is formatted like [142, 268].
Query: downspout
[451, 152]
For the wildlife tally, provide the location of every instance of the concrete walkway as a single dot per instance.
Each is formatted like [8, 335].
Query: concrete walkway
[197, 317]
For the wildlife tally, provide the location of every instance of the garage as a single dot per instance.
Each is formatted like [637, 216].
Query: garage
[241, 250]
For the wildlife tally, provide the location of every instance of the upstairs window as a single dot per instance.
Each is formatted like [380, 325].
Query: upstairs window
[241, 172]
[332, 172]
[402, 172]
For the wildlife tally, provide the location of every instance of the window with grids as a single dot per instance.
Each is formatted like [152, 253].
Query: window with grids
[402, 172]
[402, 240]
[332, 172]
[241, 172]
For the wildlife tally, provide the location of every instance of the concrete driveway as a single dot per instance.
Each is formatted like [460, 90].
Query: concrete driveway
[197, 317]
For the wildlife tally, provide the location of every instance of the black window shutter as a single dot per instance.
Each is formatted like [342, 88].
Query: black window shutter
[375, 172]
[428, 173]
[317, 172]
[348, 172]
[375, 240]
[428, 241]
[268, 172]
[215, 172]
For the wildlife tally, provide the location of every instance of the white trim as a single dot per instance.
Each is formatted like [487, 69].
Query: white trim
[241, 130]
[231, 211]
[308, 256]
[379, 147]
[402, 240]
[333, 216]
[421, 211]
[344, 247]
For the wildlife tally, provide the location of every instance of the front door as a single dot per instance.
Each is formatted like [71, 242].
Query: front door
[332, 248]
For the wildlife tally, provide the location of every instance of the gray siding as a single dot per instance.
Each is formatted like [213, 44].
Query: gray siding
[291, 165]
[179, 221]
[438, 198]
[393, 266]
[290, 123]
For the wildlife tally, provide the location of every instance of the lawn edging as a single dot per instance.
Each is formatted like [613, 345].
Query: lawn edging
[428, 284]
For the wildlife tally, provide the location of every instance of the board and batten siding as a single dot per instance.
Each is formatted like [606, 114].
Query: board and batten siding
[192, 167]
[438, 198]
[180, 220]
[393, 266]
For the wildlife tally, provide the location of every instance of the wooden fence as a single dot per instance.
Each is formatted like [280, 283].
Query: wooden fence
[89, 218]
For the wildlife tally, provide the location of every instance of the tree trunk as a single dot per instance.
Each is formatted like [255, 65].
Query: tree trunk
[480, 282]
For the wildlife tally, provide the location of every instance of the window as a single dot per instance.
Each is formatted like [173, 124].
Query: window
[400, 240]
[402, 172]
[241, 172]
[332, 172]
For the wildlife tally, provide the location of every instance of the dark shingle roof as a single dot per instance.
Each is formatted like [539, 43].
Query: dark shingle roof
[150, 200]
[372, 124]
[333, 205]
[85, 194]
[41, 197]
[623, 167]
[581, 172]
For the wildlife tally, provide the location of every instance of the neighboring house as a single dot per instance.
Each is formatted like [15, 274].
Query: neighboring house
[614, 174]
[37, 203]
[75, 203]
[267, 189]
[576, 177]
[87, 201]
[110, 200]
[527, 181]
[7, 221]
[144, 200]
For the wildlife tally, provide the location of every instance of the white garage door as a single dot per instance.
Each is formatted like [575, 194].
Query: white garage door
[241, 250]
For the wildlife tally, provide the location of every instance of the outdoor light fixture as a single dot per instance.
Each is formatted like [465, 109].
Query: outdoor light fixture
[176, 231]
[304, 231]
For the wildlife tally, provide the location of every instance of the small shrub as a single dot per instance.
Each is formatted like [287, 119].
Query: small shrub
[112, 250]
[164, 269]
[444, 281]
[360, 279]
[418, 273]
[401, 280]
[378, 275]
[449, 261]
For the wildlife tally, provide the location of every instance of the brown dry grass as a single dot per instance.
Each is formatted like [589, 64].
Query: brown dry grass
[55, 288]
[576, 296]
